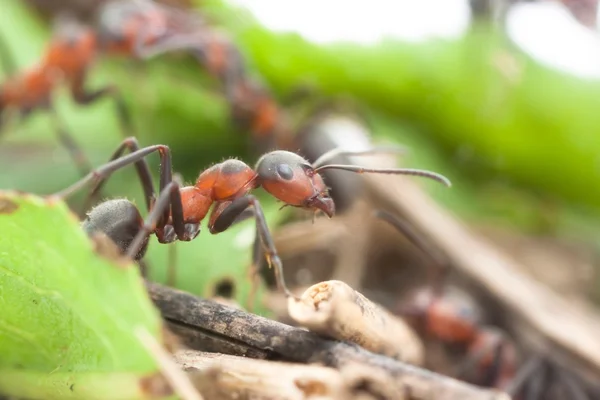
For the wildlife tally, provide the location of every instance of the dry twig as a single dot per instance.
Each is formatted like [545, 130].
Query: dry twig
[220, 376]
[210, 326]
[336, 310]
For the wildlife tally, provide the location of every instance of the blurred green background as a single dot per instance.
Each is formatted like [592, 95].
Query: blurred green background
[518, 140]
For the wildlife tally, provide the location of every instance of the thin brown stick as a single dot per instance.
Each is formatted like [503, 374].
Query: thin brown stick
[336, 310]
[248, 333]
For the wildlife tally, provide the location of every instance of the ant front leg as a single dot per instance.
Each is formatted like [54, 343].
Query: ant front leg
[224, 217]
[85, 97]
[168, 199]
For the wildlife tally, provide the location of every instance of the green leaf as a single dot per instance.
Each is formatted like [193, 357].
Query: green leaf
[68, 315]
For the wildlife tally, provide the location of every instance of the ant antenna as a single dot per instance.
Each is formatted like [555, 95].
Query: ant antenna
[396, 171]
[338, 151]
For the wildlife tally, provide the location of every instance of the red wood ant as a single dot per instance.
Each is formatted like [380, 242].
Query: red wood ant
[145, 29]
[66, 61]
[452, 318]
[176, 213]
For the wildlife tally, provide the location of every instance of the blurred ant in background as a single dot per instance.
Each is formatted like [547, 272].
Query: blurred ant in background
[454, 319]
[67, 59]
[451, 317]
[139, 30]
[251, 105]
[176, 212]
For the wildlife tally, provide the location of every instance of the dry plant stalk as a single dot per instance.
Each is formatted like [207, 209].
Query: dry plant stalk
[219, 376]
[334, 309]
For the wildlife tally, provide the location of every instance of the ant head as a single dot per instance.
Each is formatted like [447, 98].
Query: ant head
[120, 220]
[293, 180]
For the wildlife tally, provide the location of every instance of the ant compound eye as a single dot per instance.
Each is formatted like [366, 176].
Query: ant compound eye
[285, 171]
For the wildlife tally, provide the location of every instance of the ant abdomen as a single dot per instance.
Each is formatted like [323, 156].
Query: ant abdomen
[120, 220]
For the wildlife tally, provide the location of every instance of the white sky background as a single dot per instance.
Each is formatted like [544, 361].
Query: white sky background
[545, 30]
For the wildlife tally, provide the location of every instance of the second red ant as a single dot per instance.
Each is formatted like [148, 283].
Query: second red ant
[176, 212]
[452, 318]
[124, 28]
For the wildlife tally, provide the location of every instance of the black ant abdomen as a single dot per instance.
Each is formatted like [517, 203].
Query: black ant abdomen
[120, 220]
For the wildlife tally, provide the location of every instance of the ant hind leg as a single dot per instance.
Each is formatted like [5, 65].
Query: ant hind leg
[141, 166]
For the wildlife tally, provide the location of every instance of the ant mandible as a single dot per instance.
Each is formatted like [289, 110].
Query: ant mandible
[452, 318]
[176, 213]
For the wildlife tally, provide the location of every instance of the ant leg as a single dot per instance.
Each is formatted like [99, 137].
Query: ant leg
[571, 386]
[442, 263]
[68, 142]
[84, 97]
[196, 44]
[169, 198]
[143, 172]
[104, 171]
[493, 355]
[254, 269]
[144, 267]
[537, 386]
[338, 151]
[172, 251]
[153, 220]
[515, 386]
[257, 252]
[227, 217]
[167, 45]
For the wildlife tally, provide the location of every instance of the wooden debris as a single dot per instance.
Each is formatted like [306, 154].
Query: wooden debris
[206, 324]
[336, 310]
[219, 376]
